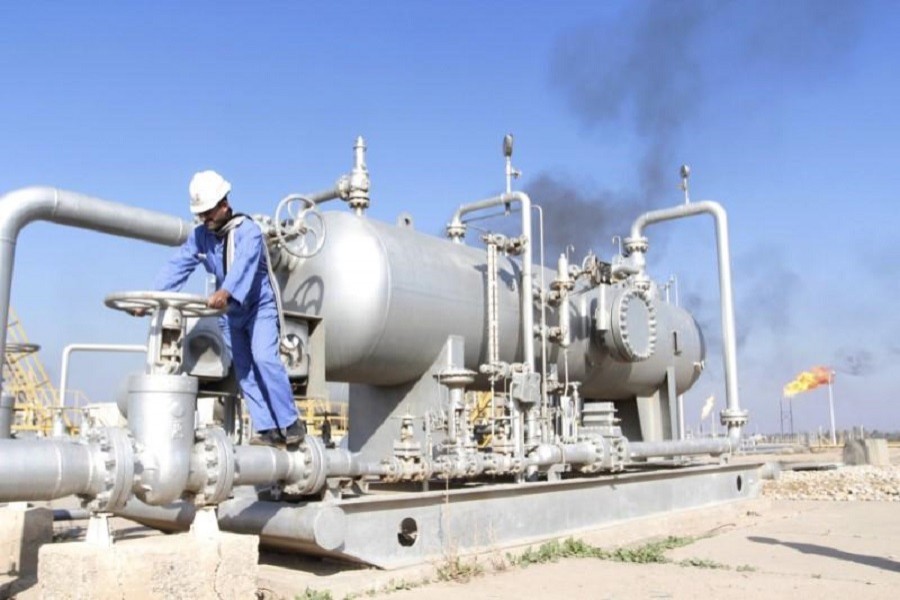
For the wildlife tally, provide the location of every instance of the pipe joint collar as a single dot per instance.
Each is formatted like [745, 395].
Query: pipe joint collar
[218, 458]
[734, 417]
[456, 231]
[636, 244]
[114, 459]
[313, 469]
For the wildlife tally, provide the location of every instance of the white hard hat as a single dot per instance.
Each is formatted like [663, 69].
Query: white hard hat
[206, 189]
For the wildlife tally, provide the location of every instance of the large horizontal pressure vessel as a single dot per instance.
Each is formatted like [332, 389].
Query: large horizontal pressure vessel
[389, 297]
[594, 360]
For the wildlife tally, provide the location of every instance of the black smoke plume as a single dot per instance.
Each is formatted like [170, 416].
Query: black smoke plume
[649, 73]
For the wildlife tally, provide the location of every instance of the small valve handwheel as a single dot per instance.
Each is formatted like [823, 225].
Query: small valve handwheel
[190, 305]
[299, 226]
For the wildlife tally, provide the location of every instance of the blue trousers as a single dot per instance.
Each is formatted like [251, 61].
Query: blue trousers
[262, 376]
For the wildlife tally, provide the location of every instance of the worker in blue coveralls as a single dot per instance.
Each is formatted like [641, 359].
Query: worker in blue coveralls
[230, 246]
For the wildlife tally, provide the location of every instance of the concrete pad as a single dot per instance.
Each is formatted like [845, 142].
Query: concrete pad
[755, 548]
[175, 566]
[23, 530]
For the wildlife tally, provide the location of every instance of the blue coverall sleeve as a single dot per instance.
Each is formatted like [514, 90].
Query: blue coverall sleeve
[248, 249]
[180, 266]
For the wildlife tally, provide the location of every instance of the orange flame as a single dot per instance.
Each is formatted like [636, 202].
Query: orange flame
[809, 380]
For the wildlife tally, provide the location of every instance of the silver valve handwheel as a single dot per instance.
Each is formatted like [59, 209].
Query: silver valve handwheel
[299, 226]
[190, 305]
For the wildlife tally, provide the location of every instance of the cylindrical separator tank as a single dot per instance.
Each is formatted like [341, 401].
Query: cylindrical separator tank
[389, 296]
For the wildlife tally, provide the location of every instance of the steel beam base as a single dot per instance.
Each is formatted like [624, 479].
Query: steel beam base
[391, 529]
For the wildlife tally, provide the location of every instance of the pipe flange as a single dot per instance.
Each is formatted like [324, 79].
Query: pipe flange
[116, 451]
[734, 417]
[313, 479]
[600, 454]
[633, 330]
[639, 244]
[455, 377]
[218, 454]
[618, 453]
[456, 231]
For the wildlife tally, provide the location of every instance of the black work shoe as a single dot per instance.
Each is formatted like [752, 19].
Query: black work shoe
[267, 437]
[295, 433]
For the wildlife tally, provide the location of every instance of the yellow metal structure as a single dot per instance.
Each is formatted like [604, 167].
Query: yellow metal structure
[482, 413]
[316, 411]
[25, 378]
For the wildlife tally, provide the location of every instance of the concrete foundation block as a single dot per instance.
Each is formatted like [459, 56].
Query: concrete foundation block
[866, 452]
[23, 530]
[160, 567]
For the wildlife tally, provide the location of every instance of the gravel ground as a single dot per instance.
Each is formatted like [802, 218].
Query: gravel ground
[846, 484]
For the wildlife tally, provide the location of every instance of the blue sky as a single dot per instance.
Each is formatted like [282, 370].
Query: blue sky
[786, 112]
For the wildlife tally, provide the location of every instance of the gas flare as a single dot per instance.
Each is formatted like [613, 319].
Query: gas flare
[809, 380]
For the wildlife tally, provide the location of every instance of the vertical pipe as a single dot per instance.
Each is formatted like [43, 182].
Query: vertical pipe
[831, 407]
[59, 425]
[20, 207]
[527, 282]
[733, 416]
[545, 400]
[7, 403]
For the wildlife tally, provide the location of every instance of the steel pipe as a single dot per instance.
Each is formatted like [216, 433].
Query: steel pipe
[282, 525]
[258, 465]
[581, 453]
[58, 424]
[527, 301]
[527, 268]
[733, 416]
[40, 469]
[68, 350]
[714, 447]
[343, 463]
[71, 514]
[7, 404]
[21, 207]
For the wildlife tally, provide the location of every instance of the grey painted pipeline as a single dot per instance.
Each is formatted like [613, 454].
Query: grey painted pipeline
[546, 455]
[321, 524]
[527, 291]
[343, 463]
[41, 469]
[323, 196]
[714, 447]
[7, 403]
[259, 465]
[729, 343]
[527, 267]
[23, 206]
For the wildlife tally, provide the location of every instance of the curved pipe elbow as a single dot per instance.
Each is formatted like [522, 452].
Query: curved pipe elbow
[22, 206]
[685, 210]
[464, 209]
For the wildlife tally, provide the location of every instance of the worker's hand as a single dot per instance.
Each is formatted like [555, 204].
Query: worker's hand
[138, 312]
[218, 299]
